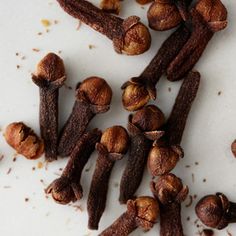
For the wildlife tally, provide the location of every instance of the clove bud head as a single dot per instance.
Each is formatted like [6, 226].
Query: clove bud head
[135, 96]
[169, 188]
[61, 191]
[149, 118]
[212, 210]
[163, 159]
[115, 139]
[96, 90]
[163, 15]
[24, 140]
[137, 40]
[147, 211]
[50, 68]
[214, 13]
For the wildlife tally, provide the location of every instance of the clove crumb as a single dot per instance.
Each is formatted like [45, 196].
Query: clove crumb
[91, 46]
[187, 166]
[18, 66]
[45, 22]
[35, 50]
[17, 54]
[229, 234]
[14, 159]
[193, 178]
[79, 25]
[169, 89]
[219, 93]
[67, 86]
[59, 52]
[1, 157]
[39, 33]
[40, 165]
[56, 22]
[78, 208]
[9, 171]
[204, 180]
[7, 186]
[188, 218]
[33, 168]
[196, 163]
[190, 201]
[26, 199]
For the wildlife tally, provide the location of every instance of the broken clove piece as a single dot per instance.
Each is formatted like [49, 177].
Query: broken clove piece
[170, 192]
[24, 140]
[110, 6]
[143, 127]
[167, 14]
[139, 90]
[112, 147]
[207, 17]
[67, 188]
[49, 77]
[141, 212]
[93, 96]
[165, 153]
[129, 36]
[216, 211]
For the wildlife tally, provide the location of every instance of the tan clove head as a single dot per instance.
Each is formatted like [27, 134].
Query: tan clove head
[169, 188]
[163, 159]
[115, 139]
[134, 97]
[96, 90]
[147, 211]
[50, 68]
[213, 12]
[212, 210]
[163, 15]
[137, 40]
[149, 118]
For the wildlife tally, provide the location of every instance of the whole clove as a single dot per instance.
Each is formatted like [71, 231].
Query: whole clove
[93, 96]
[207, 17]
[129, 36]
[166, 152]
[139, 90]
[24, 140]
[112, 147]
[170, 192]
[216, 211]
[143, 127]
[141, 212]
[167, 14]
[110, 6]
[49, 77]
[68, 188]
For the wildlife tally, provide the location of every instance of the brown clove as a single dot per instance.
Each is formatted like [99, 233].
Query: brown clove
[110, 6]
[112, 147]
[67, 188]
[93, 96]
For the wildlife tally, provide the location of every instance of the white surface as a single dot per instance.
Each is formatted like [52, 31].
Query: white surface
[207, 139]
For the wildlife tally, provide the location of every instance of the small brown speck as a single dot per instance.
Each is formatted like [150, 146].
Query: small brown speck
[196, 163]
[169, 89]
[7, 186]
[79, 25]
[35, 50]
[116, 185]
[91, 46]
[17, 54]
[193, 178]
[1, 157]
[142, 7]
[60, 169]
[219, 93]
[204, 180]
[229, 234]
[14, 159]
[40, 165]
[18, 66]
[67, 86]
[26, 199]
[45, 22]
[9, 171]
[39, 33]
[187, 166]
[188, 218]
[33, 168]
[56, 22]
[59, 52]
[194, 196]
[23, 58]
[47, 30]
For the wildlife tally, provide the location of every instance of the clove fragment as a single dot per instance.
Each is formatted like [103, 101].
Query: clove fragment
[67, 188]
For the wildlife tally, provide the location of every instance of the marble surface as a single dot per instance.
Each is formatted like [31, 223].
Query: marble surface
[24, 209]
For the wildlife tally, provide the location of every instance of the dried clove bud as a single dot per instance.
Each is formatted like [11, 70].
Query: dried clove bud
[206, 18]
[142, 212]
[165, 154]
[67, 188]
[216, 211]
[49, 77]
[143, 127]
[24, 140]
[129, 36]
[110, 6]
[139, 90]
[233, 148]
[167, 14]
[170, 192]
[93, 96]
[112, 147]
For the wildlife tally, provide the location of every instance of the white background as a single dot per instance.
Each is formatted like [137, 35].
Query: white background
[209, 132]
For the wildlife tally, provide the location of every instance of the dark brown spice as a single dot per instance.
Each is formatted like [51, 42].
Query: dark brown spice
[142, 212]
[143, 127]
[165, 153]
[26, 199]
[67, 188]
[139, 90]
[207, 232]
[207, 17]
[18, 66]
[110, 6]
[233, 148]
[129, 36]
[167, 14]
[143, 1]
[49, 77]
[93, 96]
[204, 180]
[216, 211]
[170, 192]
[24, 140]
[219, 93]
[113, 145]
